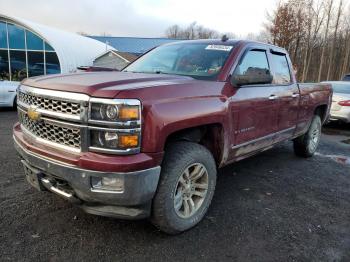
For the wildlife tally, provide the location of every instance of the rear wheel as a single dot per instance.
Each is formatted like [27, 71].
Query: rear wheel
[186, 187]
[306, 145]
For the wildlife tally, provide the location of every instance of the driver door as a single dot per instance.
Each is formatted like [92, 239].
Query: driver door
[254, 108]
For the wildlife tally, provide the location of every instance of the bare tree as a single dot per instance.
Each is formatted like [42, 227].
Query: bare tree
[315, 32]
[331, 58]
[192, 31]
[329, 11]
[317, 16]
[173, 31]
[346, 60]
[317, 35]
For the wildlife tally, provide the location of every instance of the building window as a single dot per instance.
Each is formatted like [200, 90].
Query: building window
[18, 65]
[16, 37]
[3, 35]
[35, 63]
[29, 55]
[4, 65]
[34, 42]
[48, 47]
[52, 63]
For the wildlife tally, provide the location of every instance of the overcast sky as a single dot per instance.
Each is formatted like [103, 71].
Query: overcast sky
[147, 18]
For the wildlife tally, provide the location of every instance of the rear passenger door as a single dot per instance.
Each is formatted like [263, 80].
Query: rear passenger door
[287, 92]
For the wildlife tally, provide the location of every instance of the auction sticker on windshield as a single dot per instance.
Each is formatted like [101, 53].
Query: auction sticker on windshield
[226, 48]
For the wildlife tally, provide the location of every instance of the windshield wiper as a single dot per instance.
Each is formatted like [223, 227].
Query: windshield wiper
[148, 72]
[165, 73]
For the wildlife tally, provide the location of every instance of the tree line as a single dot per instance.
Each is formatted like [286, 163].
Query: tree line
[316, 33]
[194, 31]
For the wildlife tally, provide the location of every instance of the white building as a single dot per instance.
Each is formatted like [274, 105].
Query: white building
[29, 49]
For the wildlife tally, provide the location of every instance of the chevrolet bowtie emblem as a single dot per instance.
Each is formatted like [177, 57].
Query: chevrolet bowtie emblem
[33, 114]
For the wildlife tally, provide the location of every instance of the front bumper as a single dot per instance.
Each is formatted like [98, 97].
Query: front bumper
[133, 202]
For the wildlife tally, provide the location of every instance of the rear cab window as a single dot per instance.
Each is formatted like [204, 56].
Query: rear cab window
[281, 71]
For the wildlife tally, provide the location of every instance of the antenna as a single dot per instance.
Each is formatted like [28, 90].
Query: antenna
[224, 38]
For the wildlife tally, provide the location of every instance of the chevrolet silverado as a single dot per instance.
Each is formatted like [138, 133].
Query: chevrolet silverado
[146, 142]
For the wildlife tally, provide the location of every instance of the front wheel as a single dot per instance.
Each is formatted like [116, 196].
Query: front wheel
[306, 145]
[186, 187]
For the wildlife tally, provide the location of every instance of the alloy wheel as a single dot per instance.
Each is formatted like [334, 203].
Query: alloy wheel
[191, 190]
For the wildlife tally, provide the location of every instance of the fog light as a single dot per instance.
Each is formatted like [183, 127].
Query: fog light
[108, 139]
[108, 183]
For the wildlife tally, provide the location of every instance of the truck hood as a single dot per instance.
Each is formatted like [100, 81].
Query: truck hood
[104, 84]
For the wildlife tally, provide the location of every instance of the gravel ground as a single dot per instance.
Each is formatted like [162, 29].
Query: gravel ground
[272, 207]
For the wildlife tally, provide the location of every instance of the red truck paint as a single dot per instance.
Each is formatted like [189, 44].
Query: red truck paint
[173, 103]
[232, 122]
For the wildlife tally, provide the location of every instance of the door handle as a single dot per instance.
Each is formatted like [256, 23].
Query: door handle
[295, 95]
[273, 97]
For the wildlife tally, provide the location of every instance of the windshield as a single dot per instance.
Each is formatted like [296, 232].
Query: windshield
[341, 88]
[198, 60]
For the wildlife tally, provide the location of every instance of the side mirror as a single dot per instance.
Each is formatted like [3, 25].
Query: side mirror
[253, 76]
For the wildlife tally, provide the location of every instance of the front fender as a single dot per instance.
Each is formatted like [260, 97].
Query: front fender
[166, 117]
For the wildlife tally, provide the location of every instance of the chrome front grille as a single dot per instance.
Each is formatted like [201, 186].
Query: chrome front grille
[52, 132]
[50, 104]
[62, 119]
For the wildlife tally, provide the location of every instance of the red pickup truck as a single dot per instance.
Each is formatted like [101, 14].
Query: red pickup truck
[147, 141]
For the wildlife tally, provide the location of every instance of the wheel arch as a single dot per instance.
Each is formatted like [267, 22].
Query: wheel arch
[209, 135]
[321, 111]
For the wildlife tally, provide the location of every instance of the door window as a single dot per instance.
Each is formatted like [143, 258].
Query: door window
[254, 62]
[281, 73]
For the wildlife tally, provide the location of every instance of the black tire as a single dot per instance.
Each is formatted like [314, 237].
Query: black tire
[305, 145]
[179, 156]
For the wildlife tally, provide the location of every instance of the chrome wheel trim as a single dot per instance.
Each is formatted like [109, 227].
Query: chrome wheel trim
[191, 190]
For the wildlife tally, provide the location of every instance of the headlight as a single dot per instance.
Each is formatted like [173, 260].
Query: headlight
[110, 111]
[118, 111]
[115, 125]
